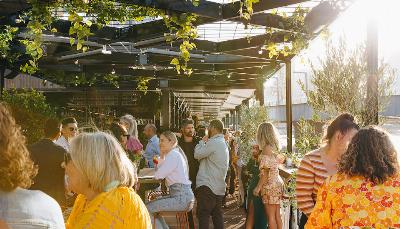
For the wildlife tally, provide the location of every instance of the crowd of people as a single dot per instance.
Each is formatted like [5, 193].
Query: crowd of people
[76, 179]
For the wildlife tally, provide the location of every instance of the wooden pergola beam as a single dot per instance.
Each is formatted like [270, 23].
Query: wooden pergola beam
[204, 8]
[232, 10]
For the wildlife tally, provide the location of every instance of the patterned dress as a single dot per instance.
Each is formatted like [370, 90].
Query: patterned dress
[354, 202]
[273, 187]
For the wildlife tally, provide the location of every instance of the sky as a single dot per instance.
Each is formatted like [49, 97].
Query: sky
[352, 25]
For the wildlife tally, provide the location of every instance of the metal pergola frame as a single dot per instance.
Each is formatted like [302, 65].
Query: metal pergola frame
[141, 50]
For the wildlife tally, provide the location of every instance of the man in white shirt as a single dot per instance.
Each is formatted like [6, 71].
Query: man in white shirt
[213, 154]
[68, 131]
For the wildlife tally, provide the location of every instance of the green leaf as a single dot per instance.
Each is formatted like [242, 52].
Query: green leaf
[71, 17]
[79, 46]
[175, 61]
[72, 41]
[285, 37]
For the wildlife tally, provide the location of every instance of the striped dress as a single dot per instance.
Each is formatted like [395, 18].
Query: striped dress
[310, 177]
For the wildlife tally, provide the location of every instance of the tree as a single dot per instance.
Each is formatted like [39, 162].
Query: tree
[30, 110]
[341, 82]
[251, 118]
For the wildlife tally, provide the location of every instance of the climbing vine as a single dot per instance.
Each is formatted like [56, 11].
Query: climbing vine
[85, 16]
[182, 27]
[291, 28]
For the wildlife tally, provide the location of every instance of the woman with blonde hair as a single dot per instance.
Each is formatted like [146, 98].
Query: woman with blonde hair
[133, 144]
[21, 208]
[173, 167]
[101, 173]
[270, 184]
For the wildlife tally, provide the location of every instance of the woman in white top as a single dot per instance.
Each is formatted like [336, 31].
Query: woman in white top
[172, 167]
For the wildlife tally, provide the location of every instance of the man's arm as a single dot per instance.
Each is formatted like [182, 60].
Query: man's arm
[156, 147]
[203, 150]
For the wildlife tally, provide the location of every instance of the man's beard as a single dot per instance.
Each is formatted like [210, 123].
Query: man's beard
[190, 134]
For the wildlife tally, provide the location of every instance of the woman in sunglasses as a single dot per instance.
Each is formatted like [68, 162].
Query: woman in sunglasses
[101, 173]
[133, 144]
[120, 133]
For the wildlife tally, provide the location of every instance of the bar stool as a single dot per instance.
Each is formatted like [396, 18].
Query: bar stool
[181, 216]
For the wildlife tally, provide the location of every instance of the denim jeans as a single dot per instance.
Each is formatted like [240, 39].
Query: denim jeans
[179, 198]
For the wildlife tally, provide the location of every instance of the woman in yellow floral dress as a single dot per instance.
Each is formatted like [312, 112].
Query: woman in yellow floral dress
[270, 184]
[366, 190]
[99, 170]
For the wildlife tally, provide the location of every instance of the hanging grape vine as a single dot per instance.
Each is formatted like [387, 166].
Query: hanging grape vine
[83, 16]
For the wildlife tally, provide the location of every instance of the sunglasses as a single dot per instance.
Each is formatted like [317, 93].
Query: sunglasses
[67, 158]
[73, 129]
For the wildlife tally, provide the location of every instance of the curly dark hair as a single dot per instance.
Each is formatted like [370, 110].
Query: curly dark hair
[16, 167]
[370, 154]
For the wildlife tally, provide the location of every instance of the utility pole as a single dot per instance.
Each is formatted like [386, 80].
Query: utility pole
[372, 116]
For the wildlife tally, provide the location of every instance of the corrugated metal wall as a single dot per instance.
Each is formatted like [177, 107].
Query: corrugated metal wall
[26, 81]
[278, 113]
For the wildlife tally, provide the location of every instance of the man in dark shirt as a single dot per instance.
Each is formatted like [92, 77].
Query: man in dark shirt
[48, 157]
[188, 142]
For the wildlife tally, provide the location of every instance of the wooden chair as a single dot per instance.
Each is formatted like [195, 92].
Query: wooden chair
[182, 218]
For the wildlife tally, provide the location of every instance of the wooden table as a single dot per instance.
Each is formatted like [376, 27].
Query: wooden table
[146, 176]
[147, 182]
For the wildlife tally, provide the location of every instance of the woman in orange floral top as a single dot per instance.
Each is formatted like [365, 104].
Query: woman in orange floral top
[366, 190]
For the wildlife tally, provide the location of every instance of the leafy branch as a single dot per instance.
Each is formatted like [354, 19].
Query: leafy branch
[85, 16]
[183, 28]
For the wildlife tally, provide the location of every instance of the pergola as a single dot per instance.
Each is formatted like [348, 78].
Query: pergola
[228, 66]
